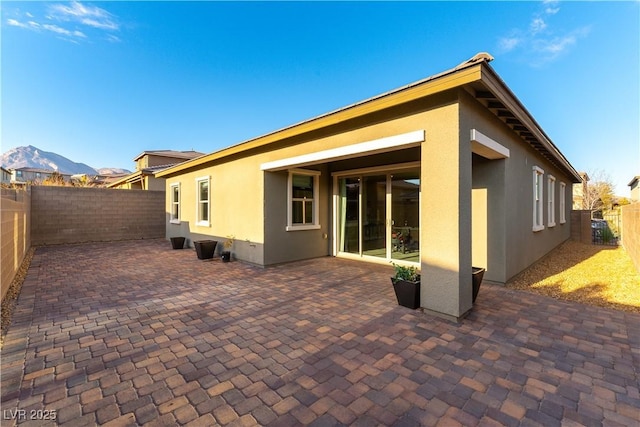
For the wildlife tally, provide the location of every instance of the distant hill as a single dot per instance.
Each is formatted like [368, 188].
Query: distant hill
[33, 157]
[113, 171]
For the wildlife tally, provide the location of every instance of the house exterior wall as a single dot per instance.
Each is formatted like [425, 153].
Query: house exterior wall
[154, 184]
[515, 245]
[33, 176]
[6, 176]
[445, 248]
[635, 190]
[236, 207]
[251, 204]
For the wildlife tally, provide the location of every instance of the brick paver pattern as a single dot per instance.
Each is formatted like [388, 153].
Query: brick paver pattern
[135, 333]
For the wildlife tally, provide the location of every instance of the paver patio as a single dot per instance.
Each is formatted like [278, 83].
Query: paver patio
[134, 333]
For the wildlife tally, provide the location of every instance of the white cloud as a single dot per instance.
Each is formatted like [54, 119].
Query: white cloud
[541, 42]
[537, 25]
[556, 45]
[70, 21]
[91, 16]
[64, 31]
[113, 39]
[15, 23]
[507, 44]
[551, 7]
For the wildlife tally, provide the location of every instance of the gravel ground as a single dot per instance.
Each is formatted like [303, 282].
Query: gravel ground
[11, 298]
[597, 275]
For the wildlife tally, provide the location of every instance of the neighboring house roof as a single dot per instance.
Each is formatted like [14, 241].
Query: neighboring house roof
[634, 181]
[170, 153]
[475, 74]
[137, 175]
[49, 171]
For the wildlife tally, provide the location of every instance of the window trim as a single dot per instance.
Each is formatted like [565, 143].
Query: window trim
[551, 200]
[200, 222]
[563, 204]
[176, 220]
[316, 211]
[538, 195]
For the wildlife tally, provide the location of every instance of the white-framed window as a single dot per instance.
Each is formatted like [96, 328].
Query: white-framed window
[538, 192]
[551, 201]
[302, 200]
[563, 214]
[175, 203]
[202, 200]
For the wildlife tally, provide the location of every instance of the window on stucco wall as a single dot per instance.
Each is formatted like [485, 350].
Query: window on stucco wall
[302, 212]
[175, 203]
[538, 192]
[563, 214]
[551, 212]
[202, 212]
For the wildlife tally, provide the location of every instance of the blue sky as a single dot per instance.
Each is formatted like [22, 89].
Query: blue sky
[100, 82]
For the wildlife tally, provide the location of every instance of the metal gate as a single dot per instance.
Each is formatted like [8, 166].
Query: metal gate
[606, 231]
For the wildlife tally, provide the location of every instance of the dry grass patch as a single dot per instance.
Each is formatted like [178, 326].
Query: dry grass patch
[597, 275]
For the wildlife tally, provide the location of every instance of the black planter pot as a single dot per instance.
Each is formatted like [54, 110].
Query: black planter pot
[205, 248]
[226, 256]
[177, 242]
[478, 273]
[407, 293]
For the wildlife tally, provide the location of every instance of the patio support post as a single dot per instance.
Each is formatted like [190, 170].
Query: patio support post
[445, 223]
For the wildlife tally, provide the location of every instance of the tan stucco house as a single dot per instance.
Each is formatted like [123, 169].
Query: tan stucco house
[28, 175]
[634, 186]
[6, 176]
[148, 164]
[444, 173]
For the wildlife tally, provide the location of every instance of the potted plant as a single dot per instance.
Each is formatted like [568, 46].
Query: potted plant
[177, 242]
[205, 248]
[226, 253]
[477, 275]
[406, 284]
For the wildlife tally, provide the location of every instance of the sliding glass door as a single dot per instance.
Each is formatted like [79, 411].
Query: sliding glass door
[405, 207]
[378, 215]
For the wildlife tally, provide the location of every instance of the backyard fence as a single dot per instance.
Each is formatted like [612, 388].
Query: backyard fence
[75, 214]
[581, 226]
[15, 207]
[607, 230]
[631, 232]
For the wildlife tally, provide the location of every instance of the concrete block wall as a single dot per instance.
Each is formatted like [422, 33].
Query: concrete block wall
[74, 215]
[15, 207]
[631, 232]
[581, 226]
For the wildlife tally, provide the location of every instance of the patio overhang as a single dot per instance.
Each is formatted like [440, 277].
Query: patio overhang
[376, 146]
[487, 147]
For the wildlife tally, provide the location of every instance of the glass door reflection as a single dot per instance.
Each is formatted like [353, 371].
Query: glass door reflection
[405, 214]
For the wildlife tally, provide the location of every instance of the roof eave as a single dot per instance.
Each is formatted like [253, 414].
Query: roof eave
[441, 82]
[464, 74]
[497, 86]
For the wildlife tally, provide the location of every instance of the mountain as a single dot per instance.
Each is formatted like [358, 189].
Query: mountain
[33, 157]
[113, 171]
